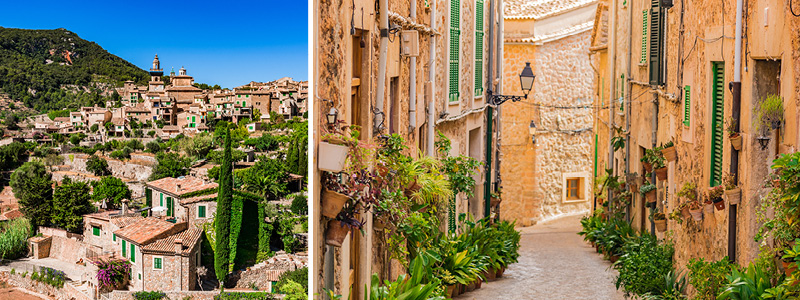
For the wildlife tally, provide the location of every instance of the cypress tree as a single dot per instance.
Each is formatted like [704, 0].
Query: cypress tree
[223, 218]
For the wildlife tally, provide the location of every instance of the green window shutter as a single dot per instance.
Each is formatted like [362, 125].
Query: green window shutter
[478, 47]
[114, 237]
[643, 60]
[718, 92]
[124, 249]
[687, 104]
[157, 263]
[169, 206]
[656, 41]
[201, 211]
[161, 201]
[455, 32]
[95, 231]
[133, 253]
[148, 194]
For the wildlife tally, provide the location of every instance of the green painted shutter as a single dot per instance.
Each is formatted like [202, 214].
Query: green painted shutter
[169, 206]
[478, 48]
[455, 32]
[157, 263]
[718, 92]
[148, 194]
[114, 237]
[687, 104]
[161, 200]
[201, 211]
[96, 231]
[656, 38]
[124, 249]
[133, 253]
[643, 60]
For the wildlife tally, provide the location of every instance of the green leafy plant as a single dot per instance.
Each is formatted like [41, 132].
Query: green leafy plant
[749, 284]
[708, 278]
[646, 188]
[768, 114]
[644, 265]
[149, 295]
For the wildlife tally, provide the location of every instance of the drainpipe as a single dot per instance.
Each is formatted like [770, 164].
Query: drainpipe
[412, 87]
[431, 84]
[736, 89]
[487, 187]
[499, 88]
[384, 32]
[653, 137]
[628, 105]
[612, 55]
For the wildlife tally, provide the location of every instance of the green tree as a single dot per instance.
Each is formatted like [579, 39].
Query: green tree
[97, 165]
[267, 177]
[223, 217]
[110, 190]
[300, 205]
[153, 147]
[293, 291]
[297, 152]
[170, 164]
[71, 201]
[199, 146]
[93, 128]
[32, 185]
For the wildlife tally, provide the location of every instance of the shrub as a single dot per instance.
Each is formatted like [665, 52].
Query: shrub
[300, 205]
[112, 273]
[244, 296]
[152, 295]
[708, 277]
[13, 238]
[299, 276]
[98, 166]
[644, 265]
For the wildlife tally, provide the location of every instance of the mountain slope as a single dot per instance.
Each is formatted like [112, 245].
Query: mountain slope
[36, 65]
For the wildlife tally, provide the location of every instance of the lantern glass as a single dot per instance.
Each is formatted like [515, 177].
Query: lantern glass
[532, 128]
[332, 116]
[526, 79]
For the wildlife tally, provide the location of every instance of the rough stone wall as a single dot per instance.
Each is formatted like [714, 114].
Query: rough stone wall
[68, 292]
[211, 209]
[532, 179]
[67, 250]
[177, 273]
[194, 295]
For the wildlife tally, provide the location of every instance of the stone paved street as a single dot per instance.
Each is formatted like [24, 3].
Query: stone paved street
[554, 263]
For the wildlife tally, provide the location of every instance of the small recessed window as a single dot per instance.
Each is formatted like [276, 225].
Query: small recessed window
[201, 211]
[573, 185]
[95, 231]
[157, 263]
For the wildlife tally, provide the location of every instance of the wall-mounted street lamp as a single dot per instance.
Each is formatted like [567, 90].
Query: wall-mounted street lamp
[532, 131]
[332, 116]
[526, 82]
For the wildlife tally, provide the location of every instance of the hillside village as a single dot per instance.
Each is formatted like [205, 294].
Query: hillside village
[123, 199]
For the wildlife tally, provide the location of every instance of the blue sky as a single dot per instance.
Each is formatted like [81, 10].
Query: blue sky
[229, 43]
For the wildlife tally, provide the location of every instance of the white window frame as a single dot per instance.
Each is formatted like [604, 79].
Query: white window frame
[154, 263]
[198, 211]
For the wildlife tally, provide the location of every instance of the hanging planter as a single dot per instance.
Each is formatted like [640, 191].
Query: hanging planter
[736, 141]
[661, 225]
[648, 167]
[697, 214]
[686, 212]
[708, 207]
[337, 231]
[332, 203]
[649, 191]
[670, 153]
[332, 157]
[719, 204]
[733, 196]
[661, 173]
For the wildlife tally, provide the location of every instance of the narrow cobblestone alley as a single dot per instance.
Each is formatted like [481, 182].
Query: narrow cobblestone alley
[554, 263]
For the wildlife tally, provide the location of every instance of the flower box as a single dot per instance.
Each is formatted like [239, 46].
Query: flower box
[332, 157]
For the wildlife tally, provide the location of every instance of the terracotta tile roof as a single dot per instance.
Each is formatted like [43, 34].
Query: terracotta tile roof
[209, 197]
[182, 89]
[148, 230]
[118, 121]
[187, 185]
[61, 119]
[189, 238]
[537, 9]
[125, 221]
[11, 214]
[103, 215]
[170, 128]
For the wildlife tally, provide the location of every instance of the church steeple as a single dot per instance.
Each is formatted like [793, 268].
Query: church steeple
[182, 71]
[156, 72]
[156, 64]
[172, 73]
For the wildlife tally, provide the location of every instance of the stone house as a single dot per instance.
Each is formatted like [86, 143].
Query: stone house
[438, 83]
[99, 228]
[547, 174]
[76, 118]
[152, 233]
[185, 199]
[682, 80]
[170, 263]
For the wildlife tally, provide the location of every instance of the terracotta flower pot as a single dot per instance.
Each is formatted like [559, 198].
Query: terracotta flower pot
[685, 212]
[697, 214]
[719, 204]
[708, 208]
[670, 153]
[336, 233]
[651, 196]
[661, 225]
[495, 201]
[471, 287]
[490, 274]
[736, 141]
[332, 157]
[733, 196]
[788, 267]
[648, 167]
[332, 203]
[500, 272]
[661, 173]
[449, 290]
[613, 258]
[478, 283]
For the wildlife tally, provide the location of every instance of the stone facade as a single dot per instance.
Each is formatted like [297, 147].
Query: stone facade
[771, 53]
[175, 268]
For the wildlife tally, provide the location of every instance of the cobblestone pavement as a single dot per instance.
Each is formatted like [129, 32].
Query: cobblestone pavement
[554, 263]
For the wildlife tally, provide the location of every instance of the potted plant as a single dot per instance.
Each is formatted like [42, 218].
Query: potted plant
[660, 220]
[791, 257]
[695, 210]
[733, 194]
[767, 116]
[649, 192]
[715, 195]
[669, 152]
[734, 136]
[496, 198]
[333, 150]
[345, 221]
[656, 162]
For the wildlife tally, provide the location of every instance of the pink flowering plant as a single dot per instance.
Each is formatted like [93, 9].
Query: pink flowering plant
[112, 273]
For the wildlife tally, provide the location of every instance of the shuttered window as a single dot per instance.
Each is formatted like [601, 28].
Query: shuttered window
[656, 43]
[157, 263]
[201, 211]
[687, 105]
[95, 231]
[133, 253]
[643, 60]
[478, 48]
[455, 7]
[124, 249]
[717, 94]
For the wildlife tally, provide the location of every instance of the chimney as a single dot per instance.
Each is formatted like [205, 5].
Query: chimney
[124, 207]
[177, 187]
[178, 246]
